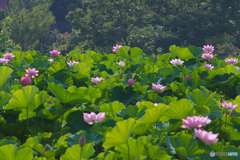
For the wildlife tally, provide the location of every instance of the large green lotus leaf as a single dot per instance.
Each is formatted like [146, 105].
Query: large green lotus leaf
[18, 58]
[57, 66]
[110, 155]
[232, 150]
[202, 100]
[73, 153]
[179, 110]
[194, 83]
[196, 51]
[83, 69]
[237, 101]
[4, 98]
[119, 134]
[123, 52]
[178, 88]
[26, 97]
[9, 152]
[185, 146]
[182, 53]
[111, 109]
[140, 129]
[97, 57]
[225, 70]
[84, 58]
[169, 73]
[5, 73]
[154, 115]
[128, 112]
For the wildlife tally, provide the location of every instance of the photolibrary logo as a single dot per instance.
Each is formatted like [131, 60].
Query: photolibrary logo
[213, 154]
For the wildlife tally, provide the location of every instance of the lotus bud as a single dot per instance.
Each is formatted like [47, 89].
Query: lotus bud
[82, 141]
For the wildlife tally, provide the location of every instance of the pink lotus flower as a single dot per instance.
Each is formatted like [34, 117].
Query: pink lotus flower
[208, 48]
[207, 56]
[51, 60]
[209, 66]
[115, 48]
[24, 81]
[187, 77]
[4, 61]
[93, 118]
[131, 82]
[96, 80]
[195, 122]
[8, 56]
[231, 61]
[237, 67]
[32, 72]
[229, 105]
[121, 64]
[176, 62]
[55, 53]
[71, 63]
[137, 102]
[206, 137]
[155, 104]
[158, 87]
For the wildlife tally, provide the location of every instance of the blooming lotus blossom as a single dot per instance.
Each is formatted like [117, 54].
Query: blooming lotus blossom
[206, 137]
[209, 66]
[195, 122]
[176, 62]
[187, 77]
[229, 105]
[115, 48]
[8, 56]
[55, 53]
[51, 60]
[207, 56]
[131, 82]
[24, 81]
[93, 117]
[32, 72]
[231, 61]
[121, 64]
[158, 87]
[4, 60]
[96, 80]
[208, 48]
[137, 102]
[155, 104]
[71, 63]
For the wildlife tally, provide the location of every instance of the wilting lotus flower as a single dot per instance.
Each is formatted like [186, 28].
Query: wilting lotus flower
[131, 82]
[231, 61]
[96, 80]
[8, 56]
[207, 56]
[31, 72]
[55, 53]
[93, 118]
[206, 137]
[176, 62]
[158, 87]
[195, 122]
[208, 48]
[4, 61]
[51, 60]
[71, 63]
[115, 48]
[155, 104]
[121, 64]
[24, 81]
[209, 66]
[187, 77]
[229, 105]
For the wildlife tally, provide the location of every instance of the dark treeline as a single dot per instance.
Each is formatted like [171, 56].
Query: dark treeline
[98, 25]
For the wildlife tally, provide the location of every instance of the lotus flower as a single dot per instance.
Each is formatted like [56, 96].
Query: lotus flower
[207, 56]
[155, 104]
[158, 87]
[229, 105]
[121, 64]
[8, 56]
[208, 48]
[195, 122]
[237, 67]
[115, 48]
[137, 102]
[71, 63]
[176, 62]
[96, 80]
[32, 73]
[93, 118]
[155, 58]
[55, 53]
[231, 61]
[209, 66]
[4, 61]
[131, 82]
[187, 77]
[24, 81]
[51, 60]
[206, 137]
